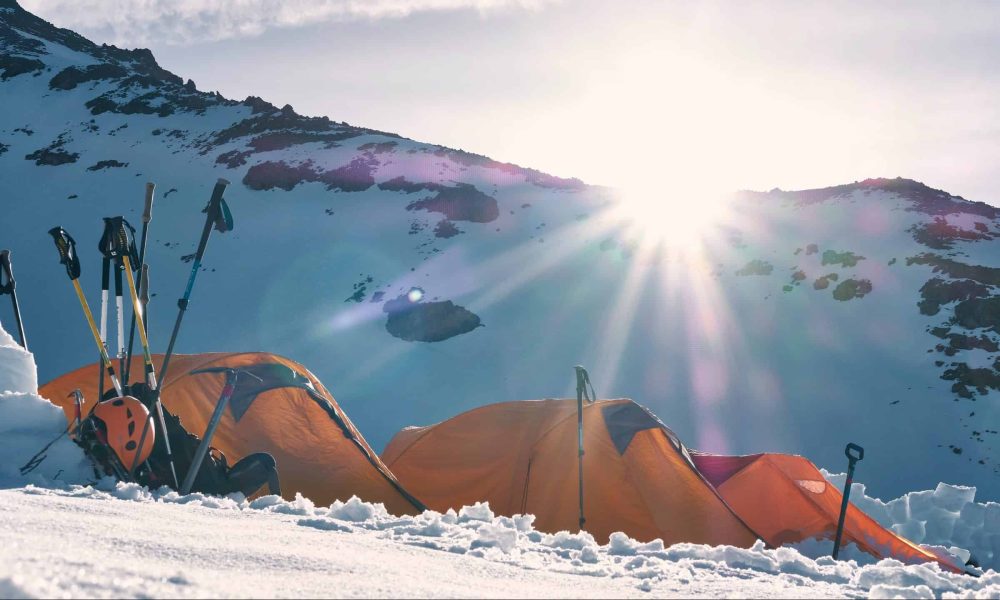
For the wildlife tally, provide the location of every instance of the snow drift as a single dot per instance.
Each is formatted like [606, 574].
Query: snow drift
[28, 422]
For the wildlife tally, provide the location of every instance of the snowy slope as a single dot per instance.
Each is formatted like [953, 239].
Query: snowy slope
[515, 275]
[83, 542]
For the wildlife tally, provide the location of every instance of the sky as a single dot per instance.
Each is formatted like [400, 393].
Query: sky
[696, 96]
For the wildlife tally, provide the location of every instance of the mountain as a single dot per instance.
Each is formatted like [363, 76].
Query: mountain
[418, 281]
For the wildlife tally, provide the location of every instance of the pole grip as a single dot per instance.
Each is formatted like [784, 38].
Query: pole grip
[147, 213]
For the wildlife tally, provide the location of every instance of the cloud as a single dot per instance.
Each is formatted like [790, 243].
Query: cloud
[140, 22]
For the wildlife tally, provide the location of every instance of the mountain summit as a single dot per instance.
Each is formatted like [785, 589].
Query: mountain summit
[418, 281]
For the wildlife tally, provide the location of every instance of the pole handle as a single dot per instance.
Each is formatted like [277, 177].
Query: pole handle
[853, 458]
[147, 213]
[66, 247]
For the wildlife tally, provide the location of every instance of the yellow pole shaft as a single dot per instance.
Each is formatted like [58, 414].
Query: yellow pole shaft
[140, 322]
[97, 336]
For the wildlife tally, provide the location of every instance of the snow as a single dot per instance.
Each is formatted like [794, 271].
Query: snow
[762, 369]
[28, 422]
[84, 540]
[947, 518]
[121, 540]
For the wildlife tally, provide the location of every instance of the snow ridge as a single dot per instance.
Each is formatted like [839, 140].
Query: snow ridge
[476, 534]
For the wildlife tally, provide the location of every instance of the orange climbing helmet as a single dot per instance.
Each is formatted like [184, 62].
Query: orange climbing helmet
[124, 420]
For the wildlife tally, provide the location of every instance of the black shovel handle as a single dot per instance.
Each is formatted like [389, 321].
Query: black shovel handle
[852, 457]
[6, 271]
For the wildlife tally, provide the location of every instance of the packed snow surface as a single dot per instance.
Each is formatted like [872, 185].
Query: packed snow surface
[120, 540]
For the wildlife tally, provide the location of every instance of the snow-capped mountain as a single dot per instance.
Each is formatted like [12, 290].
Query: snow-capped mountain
[419, 281]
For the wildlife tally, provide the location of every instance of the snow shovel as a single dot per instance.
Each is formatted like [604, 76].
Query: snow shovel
[227, 392]
[852, 460]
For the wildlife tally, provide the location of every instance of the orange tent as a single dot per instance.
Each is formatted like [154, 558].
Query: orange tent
[786, 500]
[522, 458]
[318, 450]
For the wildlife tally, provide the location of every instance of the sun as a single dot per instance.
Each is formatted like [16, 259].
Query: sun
[681, 219]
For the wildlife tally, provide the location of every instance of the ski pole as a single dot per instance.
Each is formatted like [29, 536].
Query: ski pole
[66, 246]
[217, 213]
[123, 243]
[206, 440]
[851, 461]
[582, 380]
[147, 216]
[11, 288]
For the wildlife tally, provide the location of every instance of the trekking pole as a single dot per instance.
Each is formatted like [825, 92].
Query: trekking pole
[851, 461]
[66, 246]
[10, 287]
[122, 251]
[112, 249]
[144, 297]
[206, 440]
[217, 213]
[582, 381]
[105, 284]
[120, 317]
[147, 216]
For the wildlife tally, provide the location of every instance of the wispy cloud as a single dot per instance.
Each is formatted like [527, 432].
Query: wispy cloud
[139, 22]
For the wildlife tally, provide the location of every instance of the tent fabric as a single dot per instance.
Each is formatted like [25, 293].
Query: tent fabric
[522, 458]
[786, 499]
[319, 452]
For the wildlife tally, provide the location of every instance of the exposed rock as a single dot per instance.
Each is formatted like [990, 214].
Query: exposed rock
[360, 290]
[12, 66]
[233, 158]
[936, 292]
[278, 174]
[400, 184]
[446, 229]
[378, 147]
[845, 259]
[982, 379]
[823, 282]
[941, 235]
[979, 312]
[107, 164]
[957, 342]
[285, 139]
[756, 267]
[955, 269]
[427, 321]
[53, 154]
[812, 249]
[460, 203]
[922, 198]
[850, 289]
[355, 176]
[70, 77]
